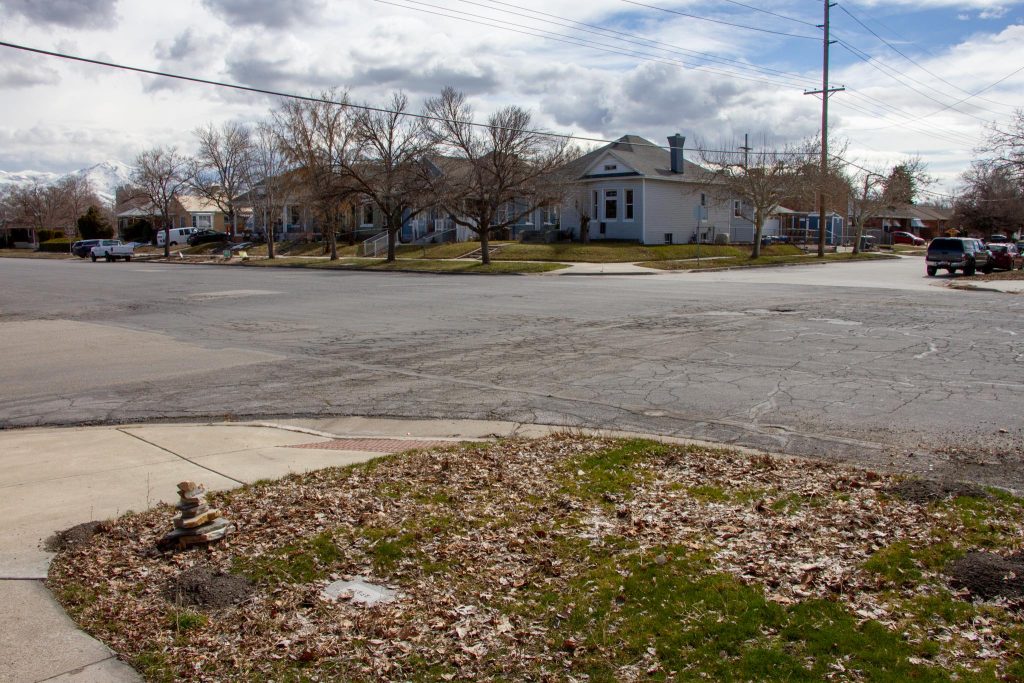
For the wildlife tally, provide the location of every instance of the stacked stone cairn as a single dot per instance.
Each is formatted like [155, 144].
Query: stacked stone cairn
[196, 522]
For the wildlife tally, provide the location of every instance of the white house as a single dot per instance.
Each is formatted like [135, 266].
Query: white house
[633, 189]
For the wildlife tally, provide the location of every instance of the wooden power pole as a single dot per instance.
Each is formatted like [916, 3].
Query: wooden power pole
[825, 93]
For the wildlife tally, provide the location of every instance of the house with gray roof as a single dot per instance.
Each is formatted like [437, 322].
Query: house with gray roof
[633, 189]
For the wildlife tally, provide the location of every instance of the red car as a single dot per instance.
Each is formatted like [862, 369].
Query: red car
[1006, 256]
[907, 238]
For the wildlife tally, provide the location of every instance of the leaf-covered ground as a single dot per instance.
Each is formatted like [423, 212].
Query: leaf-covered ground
[567, 558]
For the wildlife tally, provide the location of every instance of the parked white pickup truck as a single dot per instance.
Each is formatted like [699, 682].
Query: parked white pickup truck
[112, 250]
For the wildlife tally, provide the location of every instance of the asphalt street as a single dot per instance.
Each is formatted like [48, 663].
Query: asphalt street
[869, 363]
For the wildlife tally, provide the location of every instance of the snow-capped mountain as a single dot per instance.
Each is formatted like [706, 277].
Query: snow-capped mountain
[105, 177]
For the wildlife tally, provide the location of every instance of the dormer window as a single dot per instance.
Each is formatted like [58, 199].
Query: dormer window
[611, 167]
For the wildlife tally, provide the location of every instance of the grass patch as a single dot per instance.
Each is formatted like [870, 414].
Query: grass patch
[612, 472]
[409, 265]
[301, 562]
[567, 557]
[766, 259]
[612, 252]
[28, 253]
[437, 251]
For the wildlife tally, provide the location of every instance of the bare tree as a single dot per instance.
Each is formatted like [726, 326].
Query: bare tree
[497, 174]
[316, 137]
[77, 194]
[389, 164]
[1004, 146]
[220, 171]
[271, 176]
[39, 206]
[760, 181]
[990, 200]
[160, 175]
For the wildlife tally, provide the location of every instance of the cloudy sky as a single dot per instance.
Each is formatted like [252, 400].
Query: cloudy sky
[602, 68]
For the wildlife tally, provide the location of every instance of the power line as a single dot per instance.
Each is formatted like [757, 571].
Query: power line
[719, 21]
[646, 42]
[774, 14]
[570, 40]
[908, 58]
[871, 61]
[323, 100]
[961, 101]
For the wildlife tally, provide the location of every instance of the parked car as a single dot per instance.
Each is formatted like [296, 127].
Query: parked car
[907, 238]
[177, 236]
[998, 239]
[768, 240]
[203, 236]
[1006, 256]
[111, 250]
[81, 248]
[958, 253]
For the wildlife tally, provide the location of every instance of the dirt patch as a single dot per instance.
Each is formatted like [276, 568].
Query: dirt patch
[988, 576]
[203, 587]
[75, 537]
[924, 491]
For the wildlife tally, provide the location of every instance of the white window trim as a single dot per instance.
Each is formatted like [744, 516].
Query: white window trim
[626, 218]
[604, 204]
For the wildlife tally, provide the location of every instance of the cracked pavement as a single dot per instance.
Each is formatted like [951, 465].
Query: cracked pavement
[918, 379]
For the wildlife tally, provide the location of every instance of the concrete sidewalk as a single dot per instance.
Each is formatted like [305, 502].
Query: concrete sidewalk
[53, 479]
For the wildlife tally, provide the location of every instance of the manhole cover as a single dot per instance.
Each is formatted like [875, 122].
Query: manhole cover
[374, 445]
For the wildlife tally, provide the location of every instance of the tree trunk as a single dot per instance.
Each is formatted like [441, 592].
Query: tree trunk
[268, 229]
[485, 253]
[758, 227]
[392, 239]
[585, 229]
[333, 242]
[167, 239]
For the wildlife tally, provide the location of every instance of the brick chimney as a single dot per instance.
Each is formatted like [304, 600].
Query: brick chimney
[676, 143]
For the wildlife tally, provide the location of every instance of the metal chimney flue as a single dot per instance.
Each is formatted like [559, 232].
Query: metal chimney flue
[676, 144]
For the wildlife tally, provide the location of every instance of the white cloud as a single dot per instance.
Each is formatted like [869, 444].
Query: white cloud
[69, 13]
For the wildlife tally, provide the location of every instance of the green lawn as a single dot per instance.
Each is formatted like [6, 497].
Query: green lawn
[618, 252]
[768, 258]
[406, 264]
[28, 253]
[567, 558]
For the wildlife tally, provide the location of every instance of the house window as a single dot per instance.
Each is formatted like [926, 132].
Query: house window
[181, 221]
[294, 216]
[703, 199]
[551, 215]
[603, 228]
[202, 221]
[629, 205]
[611, 167]
[367, 214]
[737, 208]
[611, 205]
[668, 238]
[593, 211]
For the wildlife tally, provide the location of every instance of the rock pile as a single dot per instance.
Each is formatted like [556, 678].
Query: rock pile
[196, 522]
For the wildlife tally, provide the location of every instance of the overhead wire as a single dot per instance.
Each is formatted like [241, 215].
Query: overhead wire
[614, 33]
[310, 98]
[469, 17]
[910, 59]
[720, 21]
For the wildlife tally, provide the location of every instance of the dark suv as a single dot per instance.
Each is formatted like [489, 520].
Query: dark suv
[958, 253]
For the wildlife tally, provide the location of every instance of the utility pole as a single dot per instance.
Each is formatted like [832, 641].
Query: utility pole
[825, 93]
[746, 149]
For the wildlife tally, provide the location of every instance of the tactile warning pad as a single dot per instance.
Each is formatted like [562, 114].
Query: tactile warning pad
[374, 445]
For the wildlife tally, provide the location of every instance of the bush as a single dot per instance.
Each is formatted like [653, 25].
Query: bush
[92, 225]
[61, 245]
[47, 235]
[138, 231]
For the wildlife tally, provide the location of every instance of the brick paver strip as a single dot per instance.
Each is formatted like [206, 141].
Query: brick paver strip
[374, 445]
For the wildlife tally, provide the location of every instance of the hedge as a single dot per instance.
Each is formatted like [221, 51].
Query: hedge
[61, 245]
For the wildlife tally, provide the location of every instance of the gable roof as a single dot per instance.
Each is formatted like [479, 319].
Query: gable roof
[646, 158]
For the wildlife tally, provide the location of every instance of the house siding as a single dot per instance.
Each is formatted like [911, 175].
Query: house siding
[674, 208]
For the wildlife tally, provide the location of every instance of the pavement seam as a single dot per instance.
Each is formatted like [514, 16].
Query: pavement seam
[77, 669]
[182, 457]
